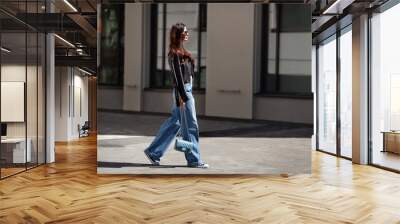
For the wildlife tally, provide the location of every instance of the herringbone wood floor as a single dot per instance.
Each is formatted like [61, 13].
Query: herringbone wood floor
[70, 191]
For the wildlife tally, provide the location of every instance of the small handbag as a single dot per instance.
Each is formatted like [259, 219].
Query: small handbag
[181, 144]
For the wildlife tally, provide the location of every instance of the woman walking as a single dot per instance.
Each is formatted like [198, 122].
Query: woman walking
[181, 63]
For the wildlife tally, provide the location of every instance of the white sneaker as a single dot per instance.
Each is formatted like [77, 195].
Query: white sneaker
[200, 165]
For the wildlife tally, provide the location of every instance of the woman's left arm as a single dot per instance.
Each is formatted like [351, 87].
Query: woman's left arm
[193, 64]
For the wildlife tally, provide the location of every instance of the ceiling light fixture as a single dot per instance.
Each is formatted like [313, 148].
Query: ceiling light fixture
[5, 50]
[65, 41]
[337, 7]
[80, 51]
[329, 9]
[84, 71]
[70, 5]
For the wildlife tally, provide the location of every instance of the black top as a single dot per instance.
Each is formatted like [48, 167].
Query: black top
[182, 70]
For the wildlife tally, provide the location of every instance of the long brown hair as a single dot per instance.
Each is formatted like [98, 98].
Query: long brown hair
[176, 43]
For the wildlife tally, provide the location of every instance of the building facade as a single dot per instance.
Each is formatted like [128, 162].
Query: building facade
[240, 73]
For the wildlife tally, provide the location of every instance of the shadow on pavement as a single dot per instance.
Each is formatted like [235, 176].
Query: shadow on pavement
[120, 165]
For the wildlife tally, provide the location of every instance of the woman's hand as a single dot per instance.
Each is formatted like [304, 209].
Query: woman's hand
[181, 102]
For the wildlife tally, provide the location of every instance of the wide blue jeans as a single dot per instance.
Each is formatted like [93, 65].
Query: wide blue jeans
[170, 128]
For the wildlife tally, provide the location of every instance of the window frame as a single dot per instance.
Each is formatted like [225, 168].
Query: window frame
[264, 72]
[202, 27]
[335, 36]
[121, 56]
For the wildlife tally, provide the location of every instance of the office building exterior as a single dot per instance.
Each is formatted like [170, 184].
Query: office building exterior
[65, 65]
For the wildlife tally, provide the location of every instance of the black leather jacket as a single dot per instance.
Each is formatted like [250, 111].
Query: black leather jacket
[182, 71]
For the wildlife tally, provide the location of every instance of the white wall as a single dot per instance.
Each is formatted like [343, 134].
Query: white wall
[62, 81]
[81, 109]
[161, 101]
[33, 126]
[134, 31]
[70, 84]
[230, 56]
[17, 73]
[284, 109]
[110, 97]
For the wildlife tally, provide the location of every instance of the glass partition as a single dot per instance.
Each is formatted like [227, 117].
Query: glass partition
[22, 88]
[14, 144]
